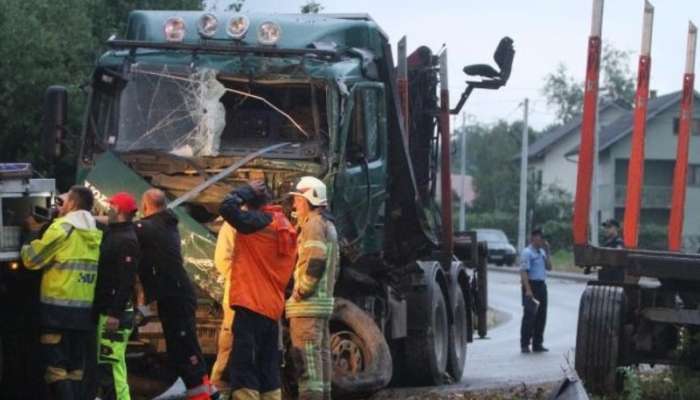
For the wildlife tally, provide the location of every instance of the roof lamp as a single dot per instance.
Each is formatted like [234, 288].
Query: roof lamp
[174, 29]
[238, 26]
[207, 25]
[269, 33]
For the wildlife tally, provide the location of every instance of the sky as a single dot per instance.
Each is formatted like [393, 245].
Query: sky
[545, 33]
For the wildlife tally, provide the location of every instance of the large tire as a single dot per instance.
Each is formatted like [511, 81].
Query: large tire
[598, 338]
[427, 344]
[360, 354]
[458, 337]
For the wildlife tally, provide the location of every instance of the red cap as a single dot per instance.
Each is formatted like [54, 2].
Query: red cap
[123, 202]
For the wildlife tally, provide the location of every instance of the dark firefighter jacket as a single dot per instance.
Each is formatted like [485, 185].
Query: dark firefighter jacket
[317, 267]
[264, 258]
[161, 269]
[116, 270]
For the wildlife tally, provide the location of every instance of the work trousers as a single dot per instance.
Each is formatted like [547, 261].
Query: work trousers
[254, 367]
[311, 349]
[177, 317]
[224, 347]
[534, 320]
[111, 361]
[64, 354]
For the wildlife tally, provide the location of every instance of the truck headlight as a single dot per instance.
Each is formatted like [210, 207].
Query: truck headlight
[207, 25]
[14, 265]
[174, 29]
[238, 26]
[269, 33]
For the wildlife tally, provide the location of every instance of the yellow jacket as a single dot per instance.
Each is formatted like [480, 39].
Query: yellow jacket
[223, 256]
[68, 252]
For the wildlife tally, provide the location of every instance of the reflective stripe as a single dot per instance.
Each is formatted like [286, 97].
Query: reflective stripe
[65, 303]
[314, 243]
[199, 390]
[75, 375]
[88, 266]
[55, 374]
[50, 338]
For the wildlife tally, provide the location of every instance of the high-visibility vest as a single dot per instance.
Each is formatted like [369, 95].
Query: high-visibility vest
[68, 255]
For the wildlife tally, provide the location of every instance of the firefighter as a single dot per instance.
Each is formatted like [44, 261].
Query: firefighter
[311, 305]
[263, 260]
[165, 281]
[67, 252]
[116, 276]
[223, 256]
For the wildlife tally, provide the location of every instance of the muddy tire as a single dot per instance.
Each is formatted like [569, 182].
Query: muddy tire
[427, 344]
[458, 335]
[360, 354]
[598, 338]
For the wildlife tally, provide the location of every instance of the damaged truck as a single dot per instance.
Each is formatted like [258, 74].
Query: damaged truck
[197, 103]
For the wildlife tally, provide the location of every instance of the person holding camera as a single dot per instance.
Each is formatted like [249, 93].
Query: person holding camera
[67, 252]
[265, 250]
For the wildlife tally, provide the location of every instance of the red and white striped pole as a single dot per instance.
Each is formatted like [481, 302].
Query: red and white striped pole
[635, 171]
[582, 205]
[402, 82]
[445, 170]
[680, 172]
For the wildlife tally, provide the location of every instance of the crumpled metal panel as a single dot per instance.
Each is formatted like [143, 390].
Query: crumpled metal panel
[109, 176]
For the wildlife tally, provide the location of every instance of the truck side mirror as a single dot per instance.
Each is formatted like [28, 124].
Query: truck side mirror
[53, 122]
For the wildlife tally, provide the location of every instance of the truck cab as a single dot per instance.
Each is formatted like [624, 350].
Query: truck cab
[185, 96]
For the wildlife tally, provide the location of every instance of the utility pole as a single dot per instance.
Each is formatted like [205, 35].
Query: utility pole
[522, 211]
[463, 172]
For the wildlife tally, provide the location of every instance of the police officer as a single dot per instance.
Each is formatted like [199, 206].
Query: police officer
[613, 240]
[119, 254]
[311, 305]
[612, 234]
[534, 264]
[165, 281]
[67, 252]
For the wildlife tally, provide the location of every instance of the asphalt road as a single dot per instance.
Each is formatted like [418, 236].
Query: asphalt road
[497, 361]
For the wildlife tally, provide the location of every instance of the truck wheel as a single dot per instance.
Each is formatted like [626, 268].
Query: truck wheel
[360, 354]
[427, 344]
[458, 335]
[600, 324]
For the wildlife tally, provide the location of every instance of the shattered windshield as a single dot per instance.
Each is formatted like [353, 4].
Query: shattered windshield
[198, 113]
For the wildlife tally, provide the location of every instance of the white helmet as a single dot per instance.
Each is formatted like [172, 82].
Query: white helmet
[313, 190]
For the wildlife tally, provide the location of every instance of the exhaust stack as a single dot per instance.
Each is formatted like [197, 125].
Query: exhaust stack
[445, 177]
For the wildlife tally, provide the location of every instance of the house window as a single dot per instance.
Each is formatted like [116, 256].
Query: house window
[694, 127]
[694, 175]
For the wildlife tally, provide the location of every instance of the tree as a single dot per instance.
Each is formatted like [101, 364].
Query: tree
[47, 42]
[565, 93]
[311, 7]
[496, 176]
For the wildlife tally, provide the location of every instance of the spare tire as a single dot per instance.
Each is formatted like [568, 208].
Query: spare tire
[361, 358]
